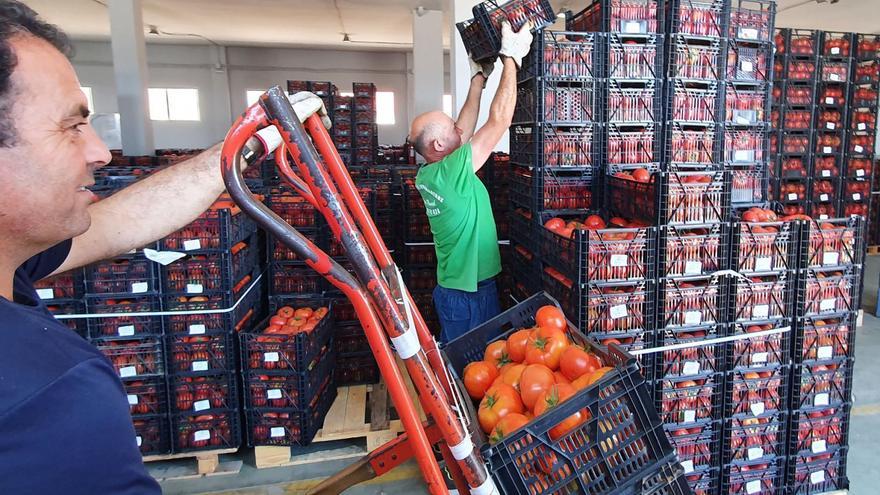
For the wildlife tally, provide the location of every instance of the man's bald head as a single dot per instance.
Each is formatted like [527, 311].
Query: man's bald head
[434, 135]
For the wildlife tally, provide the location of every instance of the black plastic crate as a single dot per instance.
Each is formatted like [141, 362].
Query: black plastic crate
[698, 449]
[757, 353]
[798, 69]
[122, 324]
[827, 167]
[551, 101]
[632, 146]
[350, 339]
[619, 398]
[632, 57]
[213, 230]
[746, 146]
[752, 20]
[817, 473]
[834, 70]
[633, 342]
[761, 297]
[858, 145]
[689, 402]
[262, 350]
[632, 17]
[856, 167]
[123, 275]
[633, 102]
[796, 93]
[753, 393]
[764, 247]
[867, 47]
[797, 118]
[798, 167]
[698, 359]
[824, 211]
[682, 198]
[692, 146]
[213, 315]
[152, 434]
[746, 104]
[135, 359]
[551, 190]
[790, 190]
[694, 103]
[831, 96]
[603, 255]
[523, 229]
[205, 273]
[562, 55]
[289, 389]
[797, 42]
[830, 120]
[823, 339]
[750, 185]
[526, 268]
[692, 251]
[818, 386]
[757, 478]
[867, 74]
[749, 63]
[203, 394]
[548, 146]
[825, 191]
[698, 18]
[837, 44]
[705, 482]
[70, 307]
[819, 431]
[855, 191]
[284, 426]
[696, 59]
[690, 302]
[294, 278]
[67, 285]
[209, 353]
[481, 35]
[147, 397]
[755, 439]
[357, 369]
[832, 242]
[218, 430]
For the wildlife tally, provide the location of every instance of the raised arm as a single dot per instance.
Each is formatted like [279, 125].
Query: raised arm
[470, 111]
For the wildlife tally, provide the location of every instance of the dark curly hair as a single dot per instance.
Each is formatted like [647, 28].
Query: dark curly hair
[18, 19]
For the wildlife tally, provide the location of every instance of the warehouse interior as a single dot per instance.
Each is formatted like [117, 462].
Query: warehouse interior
[167, 79]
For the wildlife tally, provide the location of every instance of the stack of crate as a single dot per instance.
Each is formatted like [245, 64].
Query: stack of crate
[364, 128]
[416, 253]
[342, 131]
[63, 295]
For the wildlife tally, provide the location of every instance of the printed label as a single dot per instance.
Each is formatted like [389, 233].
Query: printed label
[830, 125]
[757, 408]
[861, 126]
[834, 77]
[140, 287]
[632, 27]
[200, 366]
[755, 453]
[857, 196]
[201, 405]
[858, 148]
[202, 435]
[835, 50]
[277, 431]
[829, 100]
[693, 267]
[270, 357]
[818, 446]
[125, 331]
[830, 258]
[821, 399]
[792, 196]
[273, 393]
[826, 173]
[817, 477]
[753, 487]
[827, 304]
[194, 288]
[823, 197]
[759, 358]
[743, 155]
[196, 329]
[127, 371]
[825, 352]
[693, 317]
[139, 440]
[761, 311]
[618, 311]
[763, 264]
[191, 245]
[747, 66]
[748, 33]
[618, 259]
[690, 368]
[826, 149]
[132, 400]
[46, 293]
[690, 416]
[860, 173]
[688, 466]
[823, 217]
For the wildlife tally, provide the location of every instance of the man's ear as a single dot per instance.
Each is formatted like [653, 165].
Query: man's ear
[437, 145]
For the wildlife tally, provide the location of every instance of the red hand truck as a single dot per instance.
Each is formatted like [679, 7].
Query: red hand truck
[381, 300]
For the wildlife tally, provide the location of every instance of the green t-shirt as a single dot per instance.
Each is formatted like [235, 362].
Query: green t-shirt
[461, 220]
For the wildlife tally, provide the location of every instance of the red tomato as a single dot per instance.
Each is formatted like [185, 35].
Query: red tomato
[590, 378]
[554, 224]
[500, 400]
[285, 312]
[534, 381]
[550, 316]
[575, 362]
[555, 395]
[516, 345]
[558, 377]
[277, 320]
[594, 222]
[641, 175]
[507, 425]
[478, 377]
[496, 353]
[545, 347]
[511, 374]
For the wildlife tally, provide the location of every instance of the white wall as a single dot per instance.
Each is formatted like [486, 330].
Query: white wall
[192, 66]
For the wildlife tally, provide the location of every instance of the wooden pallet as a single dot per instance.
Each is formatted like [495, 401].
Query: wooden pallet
[207, 464]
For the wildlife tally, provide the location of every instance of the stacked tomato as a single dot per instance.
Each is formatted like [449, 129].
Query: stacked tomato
[795, 143]
[801, 70]
[767, 350]
[199, 393]
[798, 95]
[145, 397]
[62, 286]
[757, 391]
[836, 45]
[828, 143]
[133, 358]
[274, 347]
[205, 430]
[151, 434]
[835, 71]
[825, 166]
[802, 45]
[691, 251]
[867, 47]
[869, 72]
[825, 338]
[689, 401]
[798, 119]
[529, 374]
[688, 303]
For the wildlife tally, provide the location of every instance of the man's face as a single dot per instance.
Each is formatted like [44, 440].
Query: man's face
[43, 199]
[452, 135]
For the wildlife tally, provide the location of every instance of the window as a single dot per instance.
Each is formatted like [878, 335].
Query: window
[253, 95]
[447, 105]
[385, 107]
[174, 104]
[88, 92]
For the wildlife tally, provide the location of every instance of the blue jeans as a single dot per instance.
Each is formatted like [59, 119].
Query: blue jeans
[460, 311]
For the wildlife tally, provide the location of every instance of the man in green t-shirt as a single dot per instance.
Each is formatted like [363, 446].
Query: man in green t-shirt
[456, 200]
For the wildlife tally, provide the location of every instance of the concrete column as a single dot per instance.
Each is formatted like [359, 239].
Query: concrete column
[427, 60]
[130, 71]
[221, 104]
[460, 71]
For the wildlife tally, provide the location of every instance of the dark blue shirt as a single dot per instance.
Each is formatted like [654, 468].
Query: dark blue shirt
[65, 423]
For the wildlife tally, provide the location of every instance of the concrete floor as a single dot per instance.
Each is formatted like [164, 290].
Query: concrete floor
[863, 469]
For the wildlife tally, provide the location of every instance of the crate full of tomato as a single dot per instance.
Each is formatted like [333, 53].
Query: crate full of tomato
[292, 339]
[581, 416]
[482, 34]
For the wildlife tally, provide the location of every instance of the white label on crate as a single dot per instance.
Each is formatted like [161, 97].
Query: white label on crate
[631, 27]
[817, 477]
[127, 371]
[829, 100]
[830, 125]
[690, 416]
[194, 288]
[857, 196]
[759, 358]
[688, 466]
[755, 453]
[818, 446]
[823, 197]
[46, 293]
[139, 440]
[763, 264]
[132, 399]
[618, 260]
[835, 50]
[196, 329]
[830, 258]
[761, 311]
[747, 66]
[826, 149]
[834, 77]
[743, 155]
[861, 126]
[693, 267]
[618, 311]
[792, 196]
[192, 245]
[753, 487]
[270, 357]
[273, 393]
[202, 435]
[827, 304]
[757, 408]
[748, 33]
[826, 173]
[140, 287]
[821, 399]
[739, 119]
[860, 173]
[125, 331]
[858, 148]
[825, 352]
[200, 366]
[693, 317]
[823, 217]
[201, 405]
[276, 431]
[690, 368]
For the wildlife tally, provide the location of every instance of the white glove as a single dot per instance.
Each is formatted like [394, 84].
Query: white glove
[516, 45]
[305, 103]
[485, 67]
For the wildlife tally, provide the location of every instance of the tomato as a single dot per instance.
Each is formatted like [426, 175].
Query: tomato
[594, 222]
[303, 313]
[550, 317]
[510, 374]
[534, 381]
[507, 425]
[575, 362]
[285, 312]
[641, 175]
[550, 399]
[277, 320]
[478, 377]
[558, 377]
[516, 345]
[545, 347]
[590, 378]
[496, 353]
[554, 224]
[500, 400]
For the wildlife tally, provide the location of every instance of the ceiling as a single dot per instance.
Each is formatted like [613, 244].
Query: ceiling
[370, 24]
